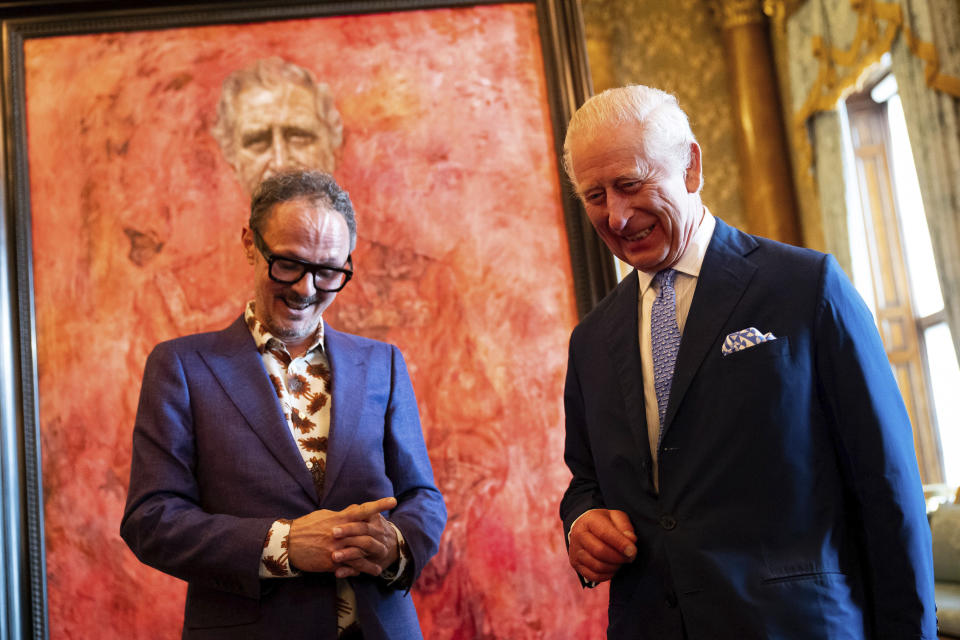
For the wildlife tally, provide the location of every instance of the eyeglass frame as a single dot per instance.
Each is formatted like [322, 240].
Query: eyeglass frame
[308, 267]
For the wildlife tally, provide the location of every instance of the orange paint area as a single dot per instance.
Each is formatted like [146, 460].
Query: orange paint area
[462, 261]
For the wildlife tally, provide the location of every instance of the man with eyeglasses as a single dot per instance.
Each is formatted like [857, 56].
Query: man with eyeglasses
[265, 455]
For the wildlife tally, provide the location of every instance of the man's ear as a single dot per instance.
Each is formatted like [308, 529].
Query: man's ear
[246, 239]
[693, 176]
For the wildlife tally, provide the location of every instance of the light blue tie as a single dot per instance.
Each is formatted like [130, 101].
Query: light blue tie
[664, 339]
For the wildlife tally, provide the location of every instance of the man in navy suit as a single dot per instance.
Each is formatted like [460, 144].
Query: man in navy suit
[743, 465]
[265, 455]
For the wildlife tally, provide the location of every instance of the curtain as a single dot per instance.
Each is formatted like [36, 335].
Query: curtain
[831, 44]
[933, 123]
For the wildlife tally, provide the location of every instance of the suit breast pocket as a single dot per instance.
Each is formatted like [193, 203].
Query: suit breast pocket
[758, 379]
[778, 348]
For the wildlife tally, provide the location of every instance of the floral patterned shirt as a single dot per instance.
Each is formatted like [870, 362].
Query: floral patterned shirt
[303, 388]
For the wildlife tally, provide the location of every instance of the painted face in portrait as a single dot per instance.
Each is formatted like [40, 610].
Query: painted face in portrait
[645, 207]
[304, 231]
[278, 128]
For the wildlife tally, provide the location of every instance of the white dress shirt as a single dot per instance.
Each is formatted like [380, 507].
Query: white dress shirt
[688, 268]
[688, 271]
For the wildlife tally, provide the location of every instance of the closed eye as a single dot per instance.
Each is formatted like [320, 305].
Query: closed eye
[594, 197]
[257, 141]
[298, 136]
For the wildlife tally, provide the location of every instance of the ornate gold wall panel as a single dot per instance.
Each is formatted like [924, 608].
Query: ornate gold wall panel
[675, 45]
[737, 13]
[771, 208]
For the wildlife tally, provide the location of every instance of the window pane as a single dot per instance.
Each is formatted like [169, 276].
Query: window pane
[862, 272]
[925, 288]
[945, 381]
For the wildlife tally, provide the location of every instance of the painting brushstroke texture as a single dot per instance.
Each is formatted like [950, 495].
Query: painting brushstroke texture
[462, 261]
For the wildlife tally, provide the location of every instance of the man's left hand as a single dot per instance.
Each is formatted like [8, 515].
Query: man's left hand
[351, 560]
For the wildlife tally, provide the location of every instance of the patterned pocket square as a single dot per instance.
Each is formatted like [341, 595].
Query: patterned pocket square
[744, 339]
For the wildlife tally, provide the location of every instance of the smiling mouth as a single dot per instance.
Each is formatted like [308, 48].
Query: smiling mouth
[299, 305]
[636, 237]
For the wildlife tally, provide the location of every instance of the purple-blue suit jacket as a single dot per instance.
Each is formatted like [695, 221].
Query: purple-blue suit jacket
[214, 465]
[790, 505]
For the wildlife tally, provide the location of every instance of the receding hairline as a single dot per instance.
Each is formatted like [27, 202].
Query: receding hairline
[307, 186]
[319, 202]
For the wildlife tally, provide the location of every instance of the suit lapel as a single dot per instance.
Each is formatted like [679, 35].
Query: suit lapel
[348, 375]
[724, 276]
[237, 365]
[623, 346]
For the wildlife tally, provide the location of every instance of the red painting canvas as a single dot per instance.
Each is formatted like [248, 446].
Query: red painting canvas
[462, 261]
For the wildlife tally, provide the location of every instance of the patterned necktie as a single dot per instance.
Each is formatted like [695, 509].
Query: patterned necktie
[664, 339]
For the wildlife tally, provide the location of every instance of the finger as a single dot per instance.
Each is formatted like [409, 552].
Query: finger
[584, 561]
[594, 576]
[367, 509]
[351, 529]
[604, 529]
[361, 546]
[622, 522]
[599, 549]
[348, 554]
[361, 565]
[600, 538]
[595, 572]
[346, 572]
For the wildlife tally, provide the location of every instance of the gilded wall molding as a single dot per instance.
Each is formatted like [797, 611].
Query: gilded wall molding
[779, 11]
[737, 13]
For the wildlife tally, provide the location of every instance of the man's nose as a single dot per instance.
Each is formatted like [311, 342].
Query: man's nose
[304, 286]
[278, 150]
[619, 211]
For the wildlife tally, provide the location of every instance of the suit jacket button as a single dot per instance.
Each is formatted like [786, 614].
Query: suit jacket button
[671, 600]
[668, 522]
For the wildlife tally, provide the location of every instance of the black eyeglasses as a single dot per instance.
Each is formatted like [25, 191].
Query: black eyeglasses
[290, 270]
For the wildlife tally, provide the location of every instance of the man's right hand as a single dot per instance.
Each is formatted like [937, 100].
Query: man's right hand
[312, 541]
[600, 541]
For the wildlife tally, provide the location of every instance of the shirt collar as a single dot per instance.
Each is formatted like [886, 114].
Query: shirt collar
[265, 340]
[692, 259]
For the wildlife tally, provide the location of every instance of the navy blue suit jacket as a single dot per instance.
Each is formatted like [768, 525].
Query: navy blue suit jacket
[790, 505]
[214, 464]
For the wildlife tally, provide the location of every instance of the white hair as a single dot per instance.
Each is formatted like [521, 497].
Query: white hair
[666, 129]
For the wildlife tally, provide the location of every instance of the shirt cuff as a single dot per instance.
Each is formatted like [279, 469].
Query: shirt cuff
[274, 561]
[395, 572]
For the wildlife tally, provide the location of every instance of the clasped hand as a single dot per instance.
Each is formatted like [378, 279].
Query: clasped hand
[349, 542]
[600, 541]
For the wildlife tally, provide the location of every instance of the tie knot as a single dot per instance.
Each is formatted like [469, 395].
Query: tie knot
[665, 278]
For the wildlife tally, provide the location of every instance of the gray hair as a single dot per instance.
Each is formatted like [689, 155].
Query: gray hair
[270, 73]
[666, 129]
[313, 186]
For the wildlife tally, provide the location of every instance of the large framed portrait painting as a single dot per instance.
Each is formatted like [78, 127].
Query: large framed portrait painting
[133, 140]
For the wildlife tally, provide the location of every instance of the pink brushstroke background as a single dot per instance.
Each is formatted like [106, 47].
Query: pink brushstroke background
[462, 261]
